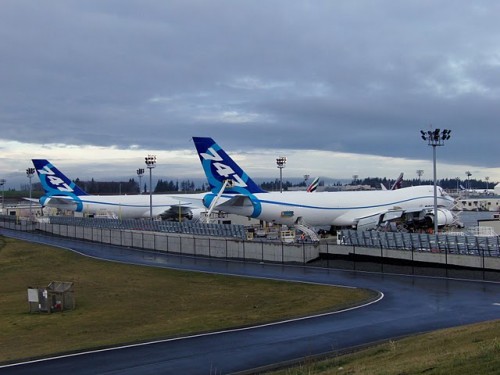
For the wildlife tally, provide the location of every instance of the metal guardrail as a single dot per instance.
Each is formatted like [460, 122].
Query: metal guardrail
[185, 238]
[448, 243]
[186, 227]
[198, 228]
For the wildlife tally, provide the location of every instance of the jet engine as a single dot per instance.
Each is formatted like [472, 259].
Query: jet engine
[444, 217]
[426, 218]
[183, 213]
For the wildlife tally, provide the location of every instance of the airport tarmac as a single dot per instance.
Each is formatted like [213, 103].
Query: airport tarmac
[410, 305]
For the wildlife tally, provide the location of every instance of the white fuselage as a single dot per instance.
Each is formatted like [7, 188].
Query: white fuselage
[121, 206]
[333, 208]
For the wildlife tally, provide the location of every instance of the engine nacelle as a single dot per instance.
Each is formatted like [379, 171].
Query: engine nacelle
[425, 219]
[444, 217]
[208, 198]
[180, 213]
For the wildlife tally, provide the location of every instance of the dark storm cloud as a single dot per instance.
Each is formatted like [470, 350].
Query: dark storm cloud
[352, 76]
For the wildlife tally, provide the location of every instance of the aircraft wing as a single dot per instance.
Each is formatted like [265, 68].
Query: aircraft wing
[239, 205]
[34, 200]
[412, 215]
[181, 206]
[193, 202]
[372, 221]
[237, 201]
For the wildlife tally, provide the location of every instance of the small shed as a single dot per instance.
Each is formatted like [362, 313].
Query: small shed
[57, 296]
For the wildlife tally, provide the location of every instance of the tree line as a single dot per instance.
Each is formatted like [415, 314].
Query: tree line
[131, 187]
[376, 182]
[188, 186]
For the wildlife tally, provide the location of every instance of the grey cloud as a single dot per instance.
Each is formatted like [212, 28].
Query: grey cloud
[356, 76]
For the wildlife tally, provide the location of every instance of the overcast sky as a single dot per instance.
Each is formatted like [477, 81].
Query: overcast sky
[339, 87]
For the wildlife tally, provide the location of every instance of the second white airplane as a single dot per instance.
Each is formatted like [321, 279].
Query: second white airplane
[62, 193]
[359, 209]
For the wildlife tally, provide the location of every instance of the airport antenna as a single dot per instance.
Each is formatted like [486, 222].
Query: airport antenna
[434, 138]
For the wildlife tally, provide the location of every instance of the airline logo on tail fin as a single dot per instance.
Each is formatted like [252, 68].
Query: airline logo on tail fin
[218, 167]
[55, 183]
[398, 183]
[313, 186]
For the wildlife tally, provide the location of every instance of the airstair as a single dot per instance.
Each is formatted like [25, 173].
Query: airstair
[457, 222]
[308, 231]
[227, 183]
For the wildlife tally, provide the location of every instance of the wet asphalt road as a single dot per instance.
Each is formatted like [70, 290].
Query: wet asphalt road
[407, 305]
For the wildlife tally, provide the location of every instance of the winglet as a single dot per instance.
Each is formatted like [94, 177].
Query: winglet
[218, 167]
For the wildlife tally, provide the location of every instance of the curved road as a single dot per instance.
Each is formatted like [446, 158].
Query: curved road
[410, 305]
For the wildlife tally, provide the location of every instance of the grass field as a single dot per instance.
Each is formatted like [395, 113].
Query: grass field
[117, 303]
[468, 350]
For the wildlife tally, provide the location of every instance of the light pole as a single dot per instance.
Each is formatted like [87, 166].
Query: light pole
[2, 182]
[420, 172]
[354, 179]
[29, 173]
[140, 173]
[468, 174]
[281, 161]
[487, 178]
[150, 164]
[435, 138]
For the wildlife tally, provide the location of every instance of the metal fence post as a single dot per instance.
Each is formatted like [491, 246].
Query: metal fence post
[282, 253]
[303, 253]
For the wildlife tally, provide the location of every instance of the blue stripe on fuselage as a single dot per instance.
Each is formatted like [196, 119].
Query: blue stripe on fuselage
[287, 204]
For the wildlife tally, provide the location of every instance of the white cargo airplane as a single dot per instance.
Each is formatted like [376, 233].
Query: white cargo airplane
[62, 193]
[233, 191]
[494, 191]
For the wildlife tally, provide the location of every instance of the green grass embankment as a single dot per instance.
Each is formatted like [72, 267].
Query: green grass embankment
[118, 303]
[467, 350]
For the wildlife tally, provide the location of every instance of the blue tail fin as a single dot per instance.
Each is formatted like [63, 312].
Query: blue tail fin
[218, 167]
[54, 182]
